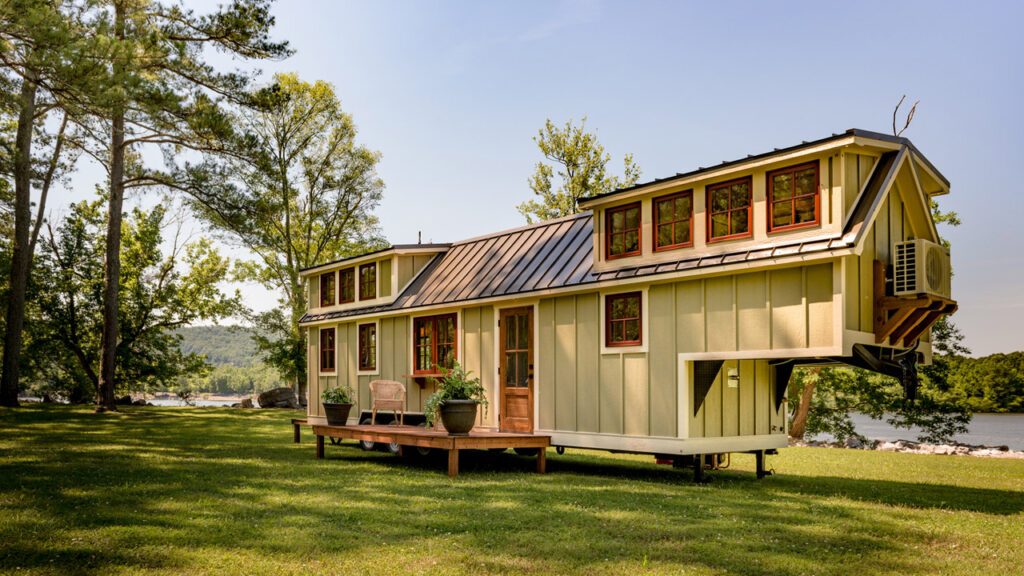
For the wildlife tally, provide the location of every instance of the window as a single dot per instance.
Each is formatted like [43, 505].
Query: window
[367, 346]
[622, 226]
[729, 210]
[327, 289]
[622, 319]
[793, 197]
[368, 281]
[327, 350]
[673, 221]
[434, 343]
[347, 292]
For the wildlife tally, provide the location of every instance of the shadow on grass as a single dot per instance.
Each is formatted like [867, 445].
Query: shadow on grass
[181, 489]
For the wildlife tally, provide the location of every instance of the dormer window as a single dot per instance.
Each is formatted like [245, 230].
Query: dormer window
[347, 292]
[729, 210]
[793, 197]
[368, 281]
[673, 221]
[622, 225]
[327, 289]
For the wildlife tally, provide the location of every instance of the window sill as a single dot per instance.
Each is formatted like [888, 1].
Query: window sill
[612, 350]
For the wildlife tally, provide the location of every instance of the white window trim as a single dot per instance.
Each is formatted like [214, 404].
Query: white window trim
[376, 332]
[644, 321]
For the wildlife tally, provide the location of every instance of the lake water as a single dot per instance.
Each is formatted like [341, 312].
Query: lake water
[986, 429]
[165, 401]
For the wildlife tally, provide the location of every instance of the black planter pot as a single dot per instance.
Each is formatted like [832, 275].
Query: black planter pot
[458, 416]
[337, 414]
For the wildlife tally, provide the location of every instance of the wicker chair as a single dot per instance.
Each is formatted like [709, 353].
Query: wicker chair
[388, 395]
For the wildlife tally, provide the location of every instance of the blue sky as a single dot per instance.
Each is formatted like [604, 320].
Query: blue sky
[452, 93]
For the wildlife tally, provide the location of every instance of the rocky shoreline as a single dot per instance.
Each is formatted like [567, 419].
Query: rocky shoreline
[911, 447]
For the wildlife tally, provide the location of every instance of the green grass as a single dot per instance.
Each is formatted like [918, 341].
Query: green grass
[220, 491]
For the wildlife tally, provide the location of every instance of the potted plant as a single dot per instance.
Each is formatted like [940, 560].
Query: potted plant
[337, 404]
[456, 400]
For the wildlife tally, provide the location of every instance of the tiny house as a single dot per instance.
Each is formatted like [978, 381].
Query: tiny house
[665, 318]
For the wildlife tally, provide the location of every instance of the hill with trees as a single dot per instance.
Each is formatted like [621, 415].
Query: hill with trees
[230, 351]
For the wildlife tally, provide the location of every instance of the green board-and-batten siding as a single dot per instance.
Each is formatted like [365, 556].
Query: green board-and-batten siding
[635, 393]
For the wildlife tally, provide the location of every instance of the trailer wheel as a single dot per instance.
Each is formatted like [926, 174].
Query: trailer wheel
[560, 450]
[422, 451]
[391, 448]
[526, 451]
[366, 444]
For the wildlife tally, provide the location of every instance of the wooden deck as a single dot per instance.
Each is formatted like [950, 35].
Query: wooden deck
[421, 437]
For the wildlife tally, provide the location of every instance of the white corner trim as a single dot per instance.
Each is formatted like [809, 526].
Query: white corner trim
[683, 397]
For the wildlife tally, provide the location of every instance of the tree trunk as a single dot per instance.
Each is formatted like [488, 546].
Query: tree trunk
[797, 430]
[20, 259]
[112, 267]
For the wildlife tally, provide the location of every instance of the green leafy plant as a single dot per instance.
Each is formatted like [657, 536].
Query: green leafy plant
[340, 395]
[454, 384]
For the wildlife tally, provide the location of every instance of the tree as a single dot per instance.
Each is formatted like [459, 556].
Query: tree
[159, 91]
[159, 294]
[36, 39]
[581, 164]
[309, 191]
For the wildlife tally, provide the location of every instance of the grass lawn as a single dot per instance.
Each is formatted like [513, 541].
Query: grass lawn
[221, 491]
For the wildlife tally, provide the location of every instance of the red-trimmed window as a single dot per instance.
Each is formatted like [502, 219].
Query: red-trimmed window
[327, 350]
[347, 282]
[368, 281]
[793, 198]
[622, 231]
[367, 346]
[673, 221]
[623, 323]
[729, 210]
[434, 343]
[327, 289]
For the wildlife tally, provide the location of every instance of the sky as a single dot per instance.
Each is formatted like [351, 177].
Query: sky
[452, 94]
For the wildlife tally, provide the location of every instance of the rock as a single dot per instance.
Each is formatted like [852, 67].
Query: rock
[235, 405]
[140, 402]
[855, 443]
[278, 398]
[245, 403]
[125, 400]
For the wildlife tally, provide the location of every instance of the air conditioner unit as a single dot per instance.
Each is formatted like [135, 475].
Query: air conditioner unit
[920, 267]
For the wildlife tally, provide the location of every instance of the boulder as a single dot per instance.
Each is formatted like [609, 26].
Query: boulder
[141, 402]
[245, 403]
[278, 398]
[125, 400]
[855, 442]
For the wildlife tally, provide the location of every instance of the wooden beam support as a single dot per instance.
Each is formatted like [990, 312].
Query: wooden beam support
[927, 322]
[453, 462]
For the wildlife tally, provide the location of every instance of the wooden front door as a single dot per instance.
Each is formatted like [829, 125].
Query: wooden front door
[516, 370]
